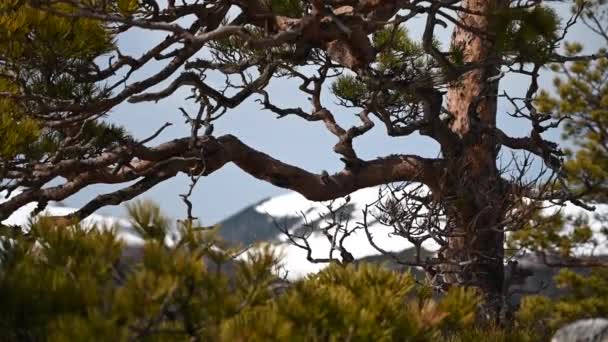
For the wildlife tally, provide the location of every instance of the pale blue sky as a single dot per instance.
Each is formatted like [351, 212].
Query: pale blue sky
[291, 139]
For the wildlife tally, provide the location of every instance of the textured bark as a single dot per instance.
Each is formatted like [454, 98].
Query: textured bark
[166, 160]
[474, 182]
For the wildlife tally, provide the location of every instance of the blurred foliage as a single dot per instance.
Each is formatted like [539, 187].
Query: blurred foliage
[17, 131]
[584, 296]
[148, 221]
[33, 36]
[77, 283]
[364, 303]
[559, 235]
[127, 7]
[290, 8]
[581, 98]
[527, 33]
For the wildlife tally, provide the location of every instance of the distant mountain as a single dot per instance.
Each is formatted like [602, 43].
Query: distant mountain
[249, 225]
[260, 221]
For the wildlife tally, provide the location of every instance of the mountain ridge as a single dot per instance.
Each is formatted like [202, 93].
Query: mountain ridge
[260, 222]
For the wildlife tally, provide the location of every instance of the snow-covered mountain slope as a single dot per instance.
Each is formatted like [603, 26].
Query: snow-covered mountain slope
[22, 217]
[291, 211]
[260, 222]
[295, 208]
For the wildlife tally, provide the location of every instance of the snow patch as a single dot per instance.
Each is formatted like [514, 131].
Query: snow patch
[293, 205]
[23, 216]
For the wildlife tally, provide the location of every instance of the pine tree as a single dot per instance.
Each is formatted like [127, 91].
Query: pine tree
[580, 98]
[55, 93]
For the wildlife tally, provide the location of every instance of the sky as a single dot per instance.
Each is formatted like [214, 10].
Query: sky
[290, 139]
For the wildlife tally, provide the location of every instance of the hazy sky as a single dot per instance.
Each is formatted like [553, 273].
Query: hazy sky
[291, 139]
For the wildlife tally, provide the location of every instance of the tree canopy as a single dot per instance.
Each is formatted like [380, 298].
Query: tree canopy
[62, 72]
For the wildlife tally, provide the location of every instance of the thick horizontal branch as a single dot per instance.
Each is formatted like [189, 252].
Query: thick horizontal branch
[316, 187]
[208, 155]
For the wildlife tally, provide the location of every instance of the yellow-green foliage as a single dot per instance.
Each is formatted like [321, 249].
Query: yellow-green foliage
[27, 33]
[68, 283]
[584, 297]
[350, 89]
[127, 7]
[41, 54]
[328, 305]
[53, 273]
[555, 234]
[367, 303]
[582, 96]
[16, 130]
[148, 221]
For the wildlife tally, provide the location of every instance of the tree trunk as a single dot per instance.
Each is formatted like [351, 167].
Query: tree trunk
[475, 200]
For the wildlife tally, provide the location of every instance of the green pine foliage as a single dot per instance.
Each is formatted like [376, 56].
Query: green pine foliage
[53, 273]
[45, 61]
[557, 235]
[75, 283]
[528, 34]
[71, 283]
[127, 7]
[57, 39]
[582, 97]
[582, 293]
[364, 303]
[45, 51]
[398, 52]
[400, 59]
[148, 221]
[348, 88]
[585, 296]
[16, 130]
[234, 49]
